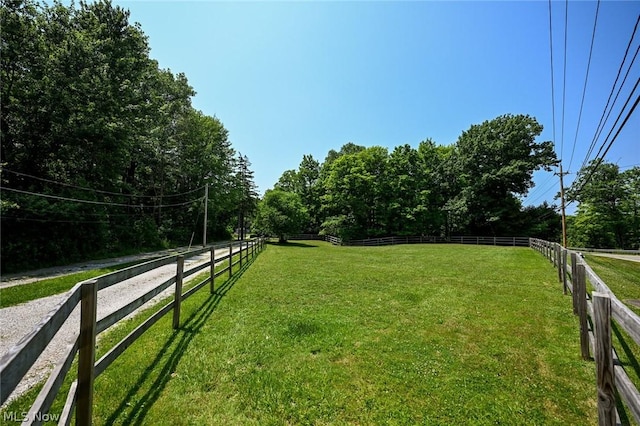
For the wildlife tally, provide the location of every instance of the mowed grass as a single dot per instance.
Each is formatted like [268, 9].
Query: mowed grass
[316, 334]
[623, 278]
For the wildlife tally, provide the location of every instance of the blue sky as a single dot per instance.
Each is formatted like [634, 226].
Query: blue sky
[295, 78]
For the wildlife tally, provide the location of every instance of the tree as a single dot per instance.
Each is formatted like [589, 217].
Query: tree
[607, 214]
[494, 162]
[306, 183]
[280, 213]
[245, 192]
[354, 193]
[87, 115]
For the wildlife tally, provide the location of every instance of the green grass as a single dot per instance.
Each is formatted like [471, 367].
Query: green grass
[316, 334]
[623, 278]
[334, 335]
[17, 294]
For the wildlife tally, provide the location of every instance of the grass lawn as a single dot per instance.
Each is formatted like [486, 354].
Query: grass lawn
[316, 334]
[623, 278]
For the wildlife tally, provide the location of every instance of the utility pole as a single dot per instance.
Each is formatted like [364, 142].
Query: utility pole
[562, 205]
[206, 208]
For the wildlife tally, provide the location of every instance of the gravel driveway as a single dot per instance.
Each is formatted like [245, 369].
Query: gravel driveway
[18, 321]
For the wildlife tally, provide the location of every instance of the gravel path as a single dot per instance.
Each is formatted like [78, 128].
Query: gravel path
[9, 280]
[18, 321]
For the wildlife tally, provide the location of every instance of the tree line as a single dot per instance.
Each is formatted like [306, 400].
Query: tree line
[101, 149]
[470, 187]
[608, 212]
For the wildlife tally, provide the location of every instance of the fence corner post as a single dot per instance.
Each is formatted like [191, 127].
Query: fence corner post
[86, 351]
[604, 359]
[581, 295]
[178, 296]
[212, 286]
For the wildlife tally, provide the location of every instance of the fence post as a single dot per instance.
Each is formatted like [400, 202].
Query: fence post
[604, 359]
[212, 286]
[559, 261]
[241, 244]
[86, 351]
[230, 258]
[574, 268]
[581, 294]
[178, 297]
[564, 270]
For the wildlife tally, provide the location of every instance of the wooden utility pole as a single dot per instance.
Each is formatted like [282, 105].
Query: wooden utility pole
[562, 205]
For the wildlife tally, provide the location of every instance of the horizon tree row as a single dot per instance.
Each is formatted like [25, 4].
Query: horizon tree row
[470, 187]
[87, 115]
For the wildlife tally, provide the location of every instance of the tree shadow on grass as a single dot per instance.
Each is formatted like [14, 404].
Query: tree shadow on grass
[160, 370]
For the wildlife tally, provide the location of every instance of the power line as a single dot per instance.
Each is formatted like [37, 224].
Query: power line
[84, 213]
[617, 119]
[586, 79]
[600, 129]
[599, 160]
[604, 112]
[564, 75]
[102, 203]
[553, 97]
[53, 221]
[84, 188]
[541, 195]
[537, 189]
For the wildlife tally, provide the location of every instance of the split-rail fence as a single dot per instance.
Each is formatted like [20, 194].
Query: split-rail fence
[418, 239]
[595, 311]
[18, 360]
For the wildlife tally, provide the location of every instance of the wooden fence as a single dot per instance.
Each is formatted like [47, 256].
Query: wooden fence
[19, 359]
[595, 312]
[611, 251]
[419, 239]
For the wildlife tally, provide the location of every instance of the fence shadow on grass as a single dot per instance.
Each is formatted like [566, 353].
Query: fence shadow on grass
[291, 244]
[184, 335]
[632, 360]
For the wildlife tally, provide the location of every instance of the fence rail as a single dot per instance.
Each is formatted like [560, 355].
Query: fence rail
[17, 361]
[612, 251]
[595, 312]
[419, 239]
